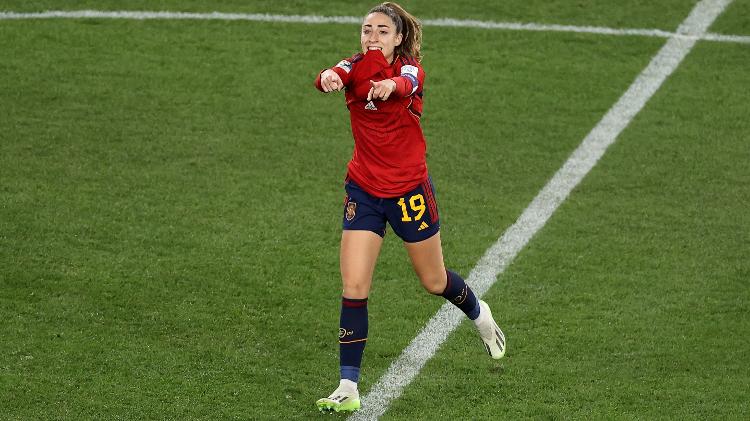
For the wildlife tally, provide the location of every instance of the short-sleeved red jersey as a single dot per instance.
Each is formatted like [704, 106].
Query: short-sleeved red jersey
[389, 146]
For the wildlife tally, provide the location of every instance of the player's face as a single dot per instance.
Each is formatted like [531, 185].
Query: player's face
[379, 32]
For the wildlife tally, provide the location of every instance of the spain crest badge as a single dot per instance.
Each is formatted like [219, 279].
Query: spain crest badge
[351, 210]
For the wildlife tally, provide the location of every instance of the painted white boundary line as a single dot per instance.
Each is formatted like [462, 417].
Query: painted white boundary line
[536, 215]
[313, 19]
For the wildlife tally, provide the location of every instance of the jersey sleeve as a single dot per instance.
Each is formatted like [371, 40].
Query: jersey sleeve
[343, 69]
[411, 79]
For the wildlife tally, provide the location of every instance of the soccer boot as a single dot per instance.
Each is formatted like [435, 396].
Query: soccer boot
[492, 336]
[344, 399]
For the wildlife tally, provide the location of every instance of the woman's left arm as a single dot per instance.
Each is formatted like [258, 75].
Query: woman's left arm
[408, 83]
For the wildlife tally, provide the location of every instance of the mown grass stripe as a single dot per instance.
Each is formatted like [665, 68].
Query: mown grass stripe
[315, 19]
[536, 215]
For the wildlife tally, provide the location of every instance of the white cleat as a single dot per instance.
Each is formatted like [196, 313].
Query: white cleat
[492, 336]
[344, 399]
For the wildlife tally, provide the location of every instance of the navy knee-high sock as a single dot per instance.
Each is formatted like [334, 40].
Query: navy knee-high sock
[458, 293]
[352, 336]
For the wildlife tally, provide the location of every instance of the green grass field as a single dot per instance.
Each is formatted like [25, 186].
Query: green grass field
[170, 205]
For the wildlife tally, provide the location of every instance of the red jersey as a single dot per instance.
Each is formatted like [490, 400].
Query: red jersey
[389, 147]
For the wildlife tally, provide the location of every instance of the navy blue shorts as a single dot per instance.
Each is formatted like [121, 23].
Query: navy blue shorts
[413, 216]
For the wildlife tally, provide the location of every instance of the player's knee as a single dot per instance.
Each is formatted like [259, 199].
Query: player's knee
[435, 284]
[356, 290]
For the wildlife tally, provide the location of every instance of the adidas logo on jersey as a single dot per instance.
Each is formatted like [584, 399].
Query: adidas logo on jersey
[371, 106]
[423, 226]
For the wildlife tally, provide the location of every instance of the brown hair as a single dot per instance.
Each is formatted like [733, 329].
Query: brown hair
[407, 25]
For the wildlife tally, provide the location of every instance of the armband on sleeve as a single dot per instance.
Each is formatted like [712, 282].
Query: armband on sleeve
[407, 83]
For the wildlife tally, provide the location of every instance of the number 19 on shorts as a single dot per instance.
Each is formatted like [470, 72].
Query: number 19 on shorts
[416, 204]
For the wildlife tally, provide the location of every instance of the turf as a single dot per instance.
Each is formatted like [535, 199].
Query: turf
[170, 198]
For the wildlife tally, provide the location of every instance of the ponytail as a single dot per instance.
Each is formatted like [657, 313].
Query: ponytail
[407, 25]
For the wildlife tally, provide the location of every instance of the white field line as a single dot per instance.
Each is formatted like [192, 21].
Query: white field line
[536, 215]
[313, 19]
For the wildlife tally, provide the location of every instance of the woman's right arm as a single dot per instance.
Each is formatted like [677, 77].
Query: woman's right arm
[335, 78]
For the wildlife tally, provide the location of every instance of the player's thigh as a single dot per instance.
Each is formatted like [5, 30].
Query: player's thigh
[427, 260]
[358, 256]
[363, 229]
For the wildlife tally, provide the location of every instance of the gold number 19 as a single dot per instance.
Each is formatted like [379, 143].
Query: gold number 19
[416, 203]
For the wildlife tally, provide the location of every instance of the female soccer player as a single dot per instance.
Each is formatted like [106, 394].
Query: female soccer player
[387, 180]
